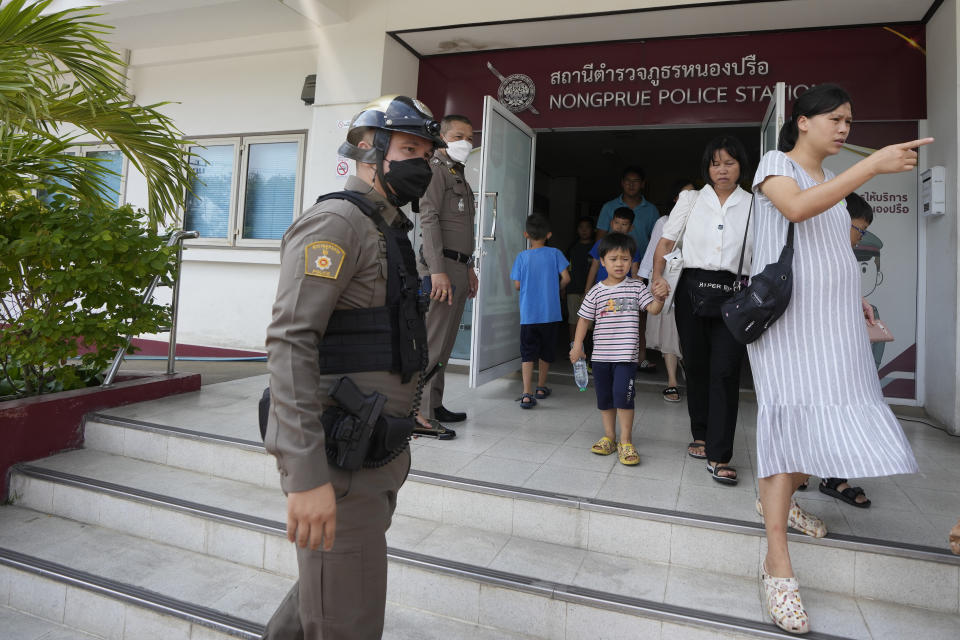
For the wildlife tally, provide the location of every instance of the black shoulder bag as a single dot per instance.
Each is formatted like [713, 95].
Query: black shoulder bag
[752, 309]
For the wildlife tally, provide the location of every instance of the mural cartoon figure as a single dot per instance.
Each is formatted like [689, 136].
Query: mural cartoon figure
[867, 252]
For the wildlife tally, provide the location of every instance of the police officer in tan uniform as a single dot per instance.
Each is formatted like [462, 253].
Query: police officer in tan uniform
[446, 221]
[347, 316]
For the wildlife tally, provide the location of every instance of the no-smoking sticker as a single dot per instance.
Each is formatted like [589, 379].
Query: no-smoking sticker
[343, 167]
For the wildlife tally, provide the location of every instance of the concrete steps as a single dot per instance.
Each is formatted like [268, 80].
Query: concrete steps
[468, 559]
[840, 563]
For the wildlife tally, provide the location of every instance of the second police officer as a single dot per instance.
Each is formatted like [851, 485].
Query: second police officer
[446, 255]
[346, 353]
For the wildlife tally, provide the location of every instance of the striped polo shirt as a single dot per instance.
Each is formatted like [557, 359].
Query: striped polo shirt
[615, 312]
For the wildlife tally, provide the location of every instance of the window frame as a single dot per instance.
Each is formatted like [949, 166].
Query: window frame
[81, 149]
[300, 139]
[228, 240]
[242, 142]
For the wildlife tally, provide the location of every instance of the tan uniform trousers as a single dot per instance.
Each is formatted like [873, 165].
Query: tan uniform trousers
[341, 594]
[443, 321]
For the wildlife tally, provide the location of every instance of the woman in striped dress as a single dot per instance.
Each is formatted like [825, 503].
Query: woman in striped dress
[820, 408]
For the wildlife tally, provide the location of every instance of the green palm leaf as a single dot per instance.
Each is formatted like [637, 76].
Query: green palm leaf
[58, 74]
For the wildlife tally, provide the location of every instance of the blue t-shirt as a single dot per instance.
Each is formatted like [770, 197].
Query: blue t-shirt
[601, 270]
[538, 272]
[645, 216]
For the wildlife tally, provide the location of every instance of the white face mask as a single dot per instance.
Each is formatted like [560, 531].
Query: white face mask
[459, 150]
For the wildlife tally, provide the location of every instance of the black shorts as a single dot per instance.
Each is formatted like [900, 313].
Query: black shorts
[538, 342]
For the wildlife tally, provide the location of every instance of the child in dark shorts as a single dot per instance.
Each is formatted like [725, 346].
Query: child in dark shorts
[539, 274]
[613, 306]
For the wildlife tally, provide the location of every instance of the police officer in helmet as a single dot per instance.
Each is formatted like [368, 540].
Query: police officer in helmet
[346, 351]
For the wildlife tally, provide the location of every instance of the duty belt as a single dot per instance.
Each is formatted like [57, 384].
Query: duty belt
[456, 255]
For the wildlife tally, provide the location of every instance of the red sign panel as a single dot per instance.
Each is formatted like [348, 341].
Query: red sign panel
[721, 79]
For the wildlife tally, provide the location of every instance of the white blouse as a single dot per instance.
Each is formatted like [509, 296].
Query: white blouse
[714, 234]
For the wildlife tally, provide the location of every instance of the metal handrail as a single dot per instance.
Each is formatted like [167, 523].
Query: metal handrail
[176, 238]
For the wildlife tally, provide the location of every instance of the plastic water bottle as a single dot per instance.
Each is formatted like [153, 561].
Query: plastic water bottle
[580, 375]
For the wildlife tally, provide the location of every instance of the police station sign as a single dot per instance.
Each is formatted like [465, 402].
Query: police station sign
[724, 79]
[593, 73]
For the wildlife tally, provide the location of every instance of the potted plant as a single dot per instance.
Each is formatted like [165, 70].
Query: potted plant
[73, 263]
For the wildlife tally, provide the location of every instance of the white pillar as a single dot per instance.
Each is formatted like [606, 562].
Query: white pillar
[942, 372]
[356, 62]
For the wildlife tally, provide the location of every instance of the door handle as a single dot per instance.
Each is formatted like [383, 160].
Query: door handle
[493, 224]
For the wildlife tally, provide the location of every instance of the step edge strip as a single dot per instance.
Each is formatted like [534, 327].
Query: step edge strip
[153, 427]
[244, 520]
[837, 541]
[130, 594]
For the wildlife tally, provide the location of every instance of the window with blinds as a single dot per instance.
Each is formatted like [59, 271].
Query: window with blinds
[246, 190]
[111, 159]
[270, 190]
[210, 199]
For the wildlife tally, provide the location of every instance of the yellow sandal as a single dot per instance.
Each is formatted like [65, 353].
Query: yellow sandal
[628, 454]
[603, 447]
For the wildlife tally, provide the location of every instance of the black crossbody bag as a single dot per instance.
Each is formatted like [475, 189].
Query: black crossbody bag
[752, 309]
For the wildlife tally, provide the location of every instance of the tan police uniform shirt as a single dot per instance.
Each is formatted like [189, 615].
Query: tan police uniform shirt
[331, 257]
[446, 214]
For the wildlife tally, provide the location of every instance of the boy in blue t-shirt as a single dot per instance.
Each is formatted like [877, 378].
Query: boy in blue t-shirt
[534, 274]
[622, 222]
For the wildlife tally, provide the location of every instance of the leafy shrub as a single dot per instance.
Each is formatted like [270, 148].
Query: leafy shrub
[72, 277]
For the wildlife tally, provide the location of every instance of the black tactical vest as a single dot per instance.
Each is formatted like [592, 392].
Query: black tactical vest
[389, 338]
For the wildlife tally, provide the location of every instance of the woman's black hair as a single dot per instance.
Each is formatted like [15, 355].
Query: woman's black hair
[731, 145]
[822, 98]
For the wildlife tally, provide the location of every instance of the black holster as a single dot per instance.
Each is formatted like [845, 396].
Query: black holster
[357, 433]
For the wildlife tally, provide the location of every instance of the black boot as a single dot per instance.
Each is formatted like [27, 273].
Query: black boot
[443, 414]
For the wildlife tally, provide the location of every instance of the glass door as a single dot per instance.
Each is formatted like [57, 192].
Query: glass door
[506, 199]
[773, 120]
[461, 348]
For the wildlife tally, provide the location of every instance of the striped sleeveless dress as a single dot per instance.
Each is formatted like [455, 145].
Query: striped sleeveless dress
[820, 408]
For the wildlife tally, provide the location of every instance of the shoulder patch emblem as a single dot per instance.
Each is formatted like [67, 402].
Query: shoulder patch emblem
[323, 259]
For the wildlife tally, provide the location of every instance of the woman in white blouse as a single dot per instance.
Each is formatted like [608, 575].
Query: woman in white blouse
[712, 222]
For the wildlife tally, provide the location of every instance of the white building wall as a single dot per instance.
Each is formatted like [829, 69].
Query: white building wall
[942, 377]
[226, 293]
[252, 86]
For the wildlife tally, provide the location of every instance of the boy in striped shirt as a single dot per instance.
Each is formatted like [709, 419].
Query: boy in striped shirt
[613, 306]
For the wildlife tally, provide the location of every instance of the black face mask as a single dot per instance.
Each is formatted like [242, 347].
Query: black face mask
[407, 181]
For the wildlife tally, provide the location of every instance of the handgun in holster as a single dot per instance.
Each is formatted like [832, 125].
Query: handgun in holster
[358, 434]
[349, 428]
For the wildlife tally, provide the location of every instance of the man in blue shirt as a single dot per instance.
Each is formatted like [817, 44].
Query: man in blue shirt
[632, 181]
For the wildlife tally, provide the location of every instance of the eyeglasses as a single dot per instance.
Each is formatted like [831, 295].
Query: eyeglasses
[858, 230]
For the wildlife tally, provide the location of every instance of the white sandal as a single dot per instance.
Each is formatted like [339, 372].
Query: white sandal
[801, 520]
[781, 596]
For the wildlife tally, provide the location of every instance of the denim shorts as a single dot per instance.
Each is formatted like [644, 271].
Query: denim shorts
[614, 384]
